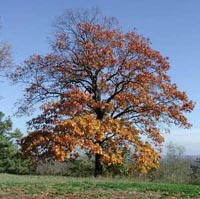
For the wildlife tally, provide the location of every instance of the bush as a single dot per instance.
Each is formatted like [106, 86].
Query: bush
[195, 172]
[73, 168]
[81, 168]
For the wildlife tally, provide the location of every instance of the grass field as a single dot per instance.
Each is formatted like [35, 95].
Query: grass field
[42, 187]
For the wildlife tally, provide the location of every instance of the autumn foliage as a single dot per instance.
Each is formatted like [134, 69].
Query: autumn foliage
[102, 91]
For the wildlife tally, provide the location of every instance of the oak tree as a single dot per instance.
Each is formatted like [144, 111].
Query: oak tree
[102, 91]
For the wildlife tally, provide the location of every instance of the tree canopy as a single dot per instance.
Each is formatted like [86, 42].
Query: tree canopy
[102, 90]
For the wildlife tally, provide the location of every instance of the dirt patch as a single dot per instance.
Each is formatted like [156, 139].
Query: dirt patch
[84, 195]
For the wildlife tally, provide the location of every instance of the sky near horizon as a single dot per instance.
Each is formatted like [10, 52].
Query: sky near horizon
[172, 26]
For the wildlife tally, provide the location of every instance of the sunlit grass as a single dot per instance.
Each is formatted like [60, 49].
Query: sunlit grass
[63, 186]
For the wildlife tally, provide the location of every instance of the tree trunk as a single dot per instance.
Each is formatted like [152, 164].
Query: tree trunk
[98, 165]
[98, 171]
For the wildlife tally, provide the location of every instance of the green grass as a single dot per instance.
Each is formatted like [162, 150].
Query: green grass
[66, 187]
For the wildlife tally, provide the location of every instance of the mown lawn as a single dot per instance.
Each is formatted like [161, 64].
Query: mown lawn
[42, 187]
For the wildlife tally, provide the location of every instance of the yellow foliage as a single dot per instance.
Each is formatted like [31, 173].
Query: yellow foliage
[146, 158]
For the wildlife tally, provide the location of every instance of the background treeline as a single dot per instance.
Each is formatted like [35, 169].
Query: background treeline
[174, 166]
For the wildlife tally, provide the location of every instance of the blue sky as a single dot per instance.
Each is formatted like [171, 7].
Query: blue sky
[172, 26]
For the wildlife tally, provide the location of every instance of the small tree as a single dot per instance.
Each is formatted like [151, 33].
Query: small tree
[5, 59]
[174, 152]
[11, 159]
[101, 90]
[5, 56]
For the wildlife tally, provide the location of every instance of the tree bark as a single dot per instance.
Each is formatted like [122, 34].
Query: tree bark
[98, 165]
